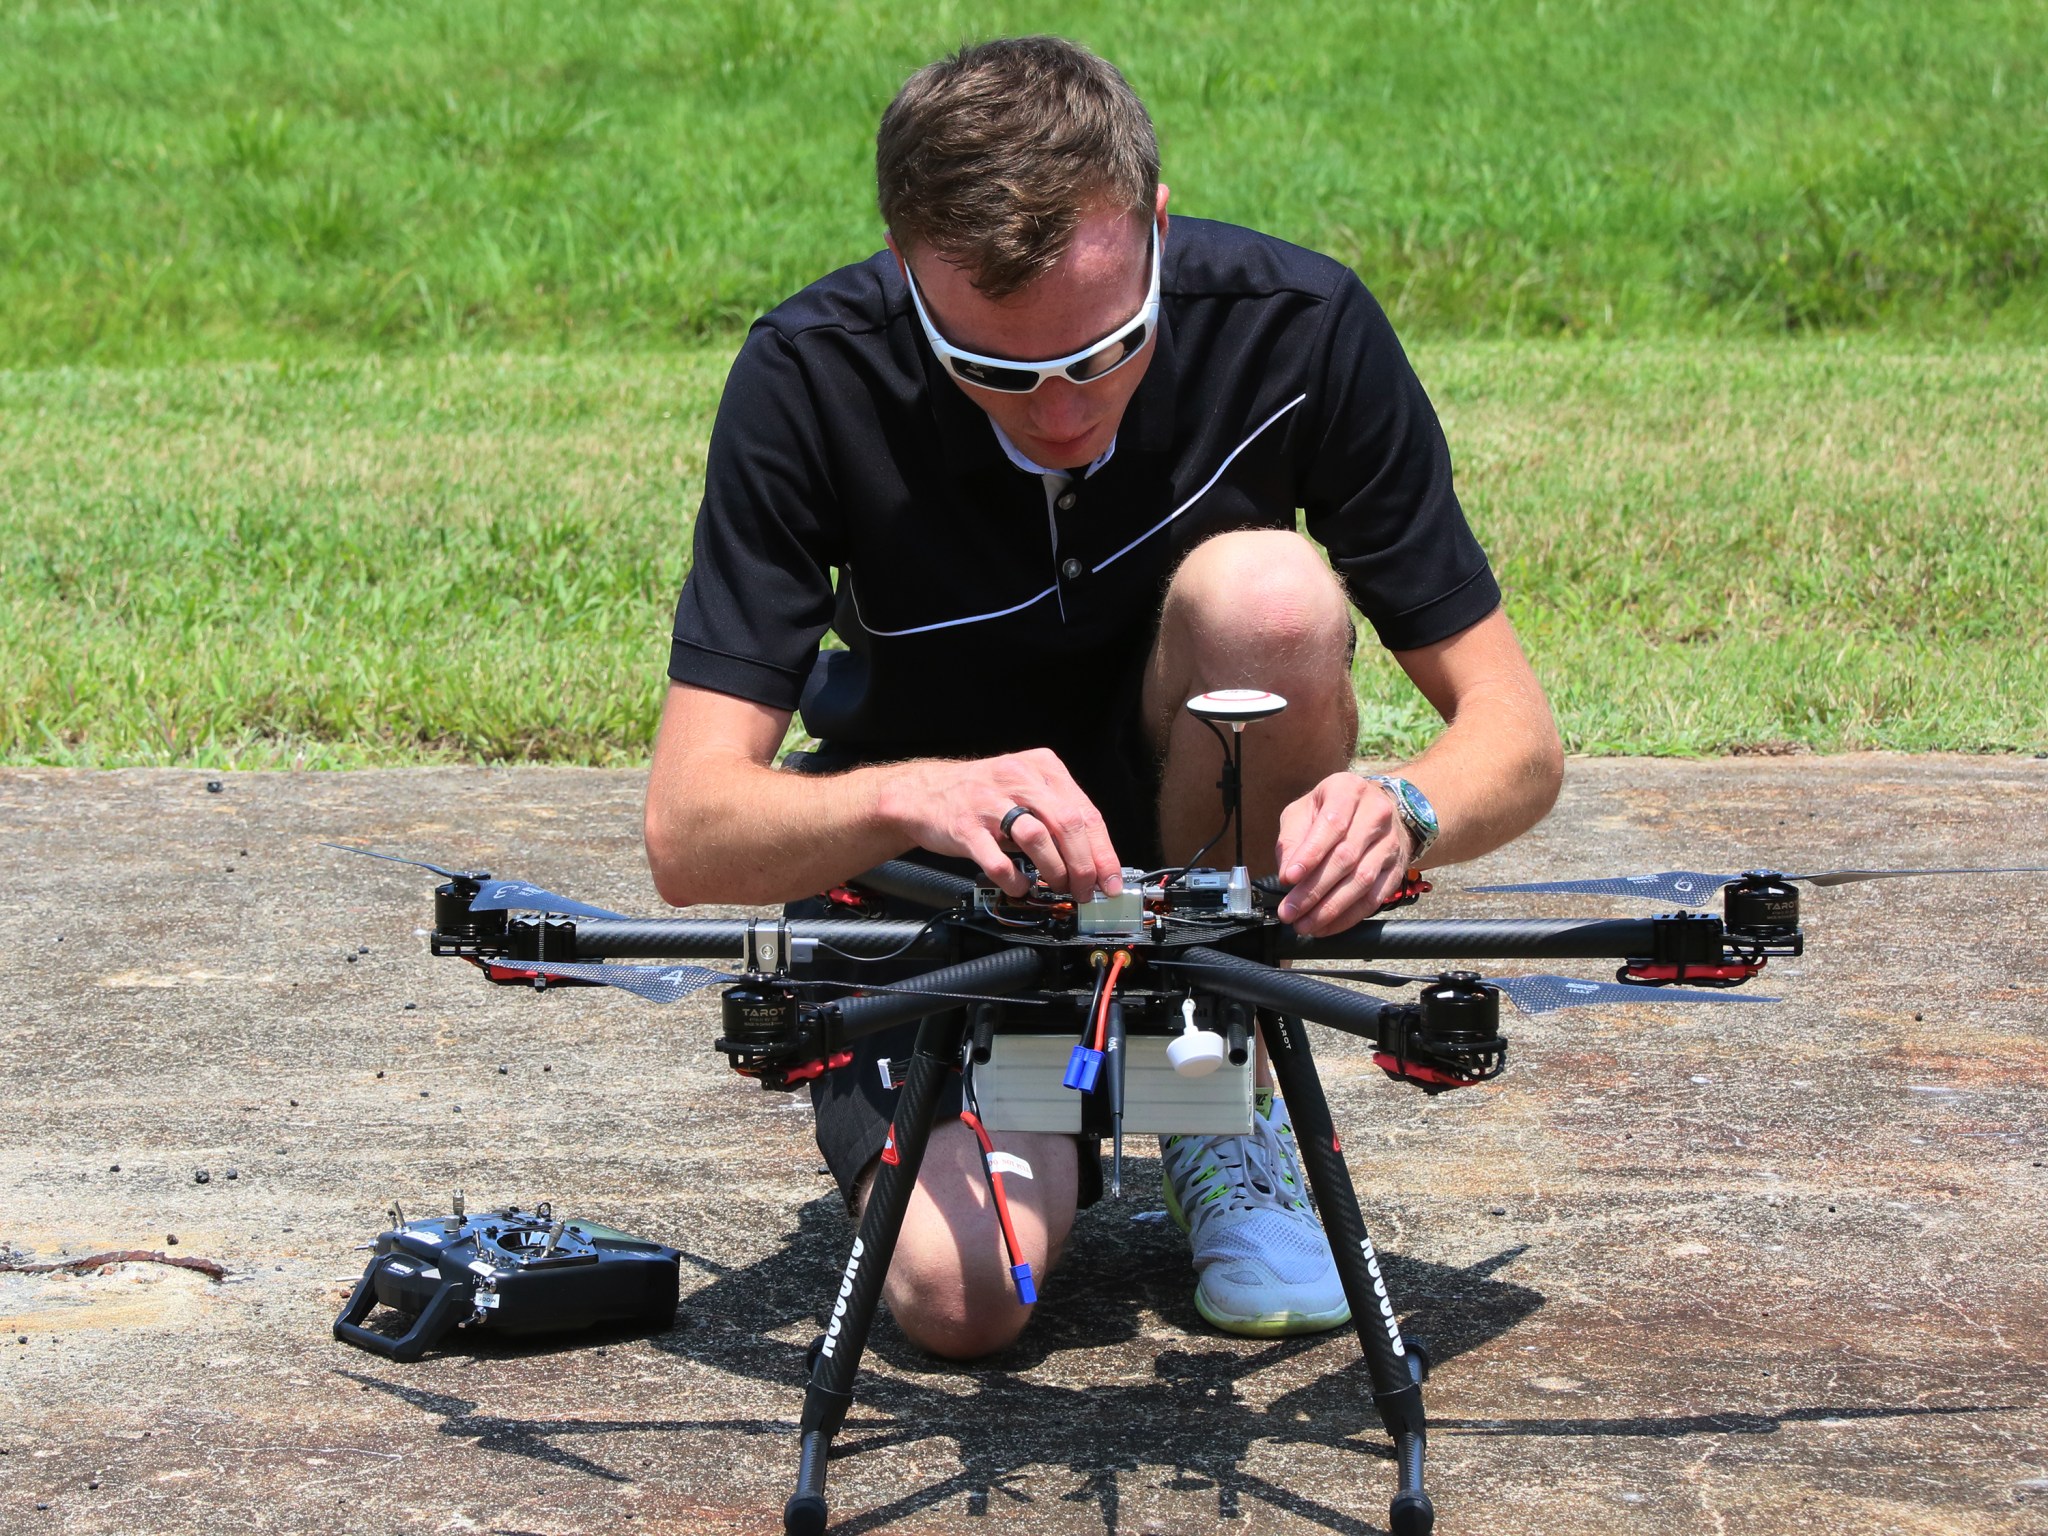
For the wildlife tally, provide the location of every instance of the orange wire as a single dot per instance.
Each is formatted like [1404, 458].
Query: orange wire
[1123, 958]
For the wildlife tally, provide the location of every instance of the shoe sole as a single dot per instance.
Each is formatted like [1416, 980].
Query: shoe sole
[1271, 1325]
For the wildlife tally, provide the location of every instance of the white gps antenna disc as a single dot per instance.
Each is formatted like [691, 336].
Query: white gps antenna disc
[1236, 705]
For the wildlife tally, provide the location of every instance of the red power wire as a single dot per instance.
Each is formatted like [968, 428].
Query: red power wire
[995, 1183]
[1123, 958]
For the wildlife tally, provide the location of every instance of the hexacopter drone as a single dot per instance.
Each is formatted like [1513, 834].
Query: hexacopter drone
[1124, 1014]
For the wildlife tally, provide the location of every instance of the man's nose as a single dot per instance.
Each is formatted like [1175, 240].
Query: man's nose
[1060, 409]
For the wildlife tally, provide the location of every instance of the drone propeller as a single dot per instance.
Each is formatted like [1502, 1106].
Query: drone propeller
[522, 896]
[446, 874]
[1547, 994]
[498, 895]
[673, 983]
[655, 983]
[1691, 888]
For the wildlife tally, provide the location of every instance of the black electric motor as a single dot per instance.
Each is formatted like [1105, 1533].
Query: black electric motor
[1458, 1029]
[1762, 908]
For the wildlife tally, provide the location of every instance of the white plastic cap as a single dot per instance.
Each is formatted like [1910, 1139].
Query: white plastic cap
[1197, 1052]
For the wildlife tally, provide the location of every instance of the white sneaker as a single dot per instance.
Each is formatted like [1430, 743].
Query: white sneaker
[1264, 1263]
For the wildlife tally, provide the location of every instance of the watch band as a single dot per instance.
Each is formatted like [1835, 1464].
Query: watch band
[1412, 809]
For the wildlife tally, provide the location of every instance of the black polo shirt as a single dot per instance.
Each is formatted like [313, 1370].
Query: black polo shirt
[853, 487]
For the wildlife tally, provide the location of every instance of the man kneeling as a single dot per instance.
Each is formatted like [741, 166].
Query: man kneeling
[1037, 464]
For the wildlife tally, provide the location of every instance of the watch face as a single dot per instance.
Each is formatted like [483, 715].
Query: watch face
[1416, 813]
[1419, 807]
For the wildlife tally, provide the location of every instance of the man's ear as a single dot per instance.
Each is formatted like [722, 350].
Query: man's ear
[896, 251]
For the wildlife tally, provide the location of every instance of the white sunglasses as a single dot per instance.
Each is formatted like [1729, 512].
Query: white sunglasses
[1082, 367]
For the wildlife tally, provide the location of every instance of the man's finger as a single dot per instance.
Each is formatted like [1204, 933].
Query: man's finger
[1030, 834]
[1087, 861]
[1347, 903]
[981, 847]
[1361, 856]
[1085, 842]
[1310, 879]
[1294, 823]
[1329, 819]
[1308, 893]
[1079, 877]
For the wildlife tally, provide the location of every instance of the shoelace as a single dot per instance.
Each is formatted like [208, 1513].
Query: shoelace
[1261, 1177]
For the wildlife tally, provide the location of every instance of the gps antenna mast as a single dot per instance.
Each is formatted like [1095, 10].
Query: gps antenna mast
[1237, 708]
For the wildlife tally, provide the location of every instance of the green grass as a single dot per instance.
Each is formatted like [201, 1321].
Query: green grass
[276, 178]
[1706, 547]
[363, 357]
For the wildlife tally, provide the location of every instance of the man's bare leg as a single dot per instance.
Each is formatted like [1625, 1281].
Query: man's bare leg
[949, 1286]
[1258, 608]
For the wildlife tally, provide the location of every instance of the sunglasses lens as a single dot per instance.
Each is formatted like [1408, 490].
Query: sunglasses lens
[1015, 381]
[1110, 358]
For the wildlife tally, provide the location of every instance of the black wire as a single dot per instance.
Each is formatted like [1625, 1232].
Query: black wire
[1039, 925]
[908, 944]
[1196, 857]
[964, 997]
[1371, 978]
[1088, 1018]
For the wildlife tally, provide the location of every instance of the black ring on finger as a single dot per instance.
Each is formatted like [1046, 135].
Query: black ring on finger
[1010, 820]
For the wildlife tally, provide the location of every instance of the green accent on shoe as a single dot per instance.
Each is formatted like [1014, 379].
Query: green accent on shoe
[1172, 1204]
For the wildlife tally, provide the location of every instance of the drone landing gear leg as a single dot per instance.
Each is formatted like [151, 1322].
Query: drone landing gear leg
[836, 1357]
[1397, 1369]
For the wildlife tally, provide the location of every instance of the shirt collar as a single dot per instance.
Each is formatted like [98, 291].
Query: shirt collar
[1010, 451]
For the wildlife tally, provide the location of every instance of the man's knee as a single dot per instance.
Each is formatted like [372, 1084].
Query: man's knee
[949, 1286]
[953, 1311]
[1260, 596]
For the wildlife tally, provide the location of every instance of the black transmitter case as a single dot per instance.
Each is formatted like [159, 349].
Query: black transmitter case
[508, 1272]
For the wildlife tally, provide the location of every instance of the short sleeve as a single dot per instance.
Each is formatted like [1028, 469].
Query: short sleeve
[1376, 484]
[759, 592]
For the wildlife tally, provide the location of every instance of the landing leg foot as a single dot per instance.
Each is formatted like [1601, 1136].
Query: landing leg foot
[805, 1514]
[1412, 1515]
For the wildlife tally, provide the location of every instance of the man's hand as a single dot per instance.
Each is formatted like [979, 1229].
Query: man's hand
[1343, 852]
[958, 809]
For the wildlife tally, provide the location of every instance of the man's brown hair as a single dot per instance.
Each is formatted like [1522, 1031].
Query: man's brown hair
[989, 156]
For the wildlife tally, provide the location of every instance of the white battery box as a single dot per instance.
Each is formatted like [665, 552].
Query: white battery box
[1019, 1088]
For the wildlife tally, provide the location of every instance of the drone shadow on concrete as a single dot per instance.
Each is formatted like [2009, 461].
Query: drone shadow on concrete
[1201, 1411]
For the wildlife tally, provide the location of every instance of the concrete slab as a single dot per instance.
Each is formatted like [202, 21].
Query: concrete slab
[1733, 1269]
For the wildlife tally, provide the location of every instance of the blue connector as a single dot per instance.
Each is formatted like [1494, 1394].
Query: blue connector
[1082, 1067]
[1026, 1291]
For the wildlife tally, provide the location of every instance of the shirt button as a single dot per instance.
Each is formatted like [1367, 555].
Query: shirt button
[1066, 501]
[1071, 570]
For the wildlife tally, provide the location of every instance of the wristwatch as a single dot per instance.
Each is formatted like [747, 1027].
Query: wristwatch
[1412, 809]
